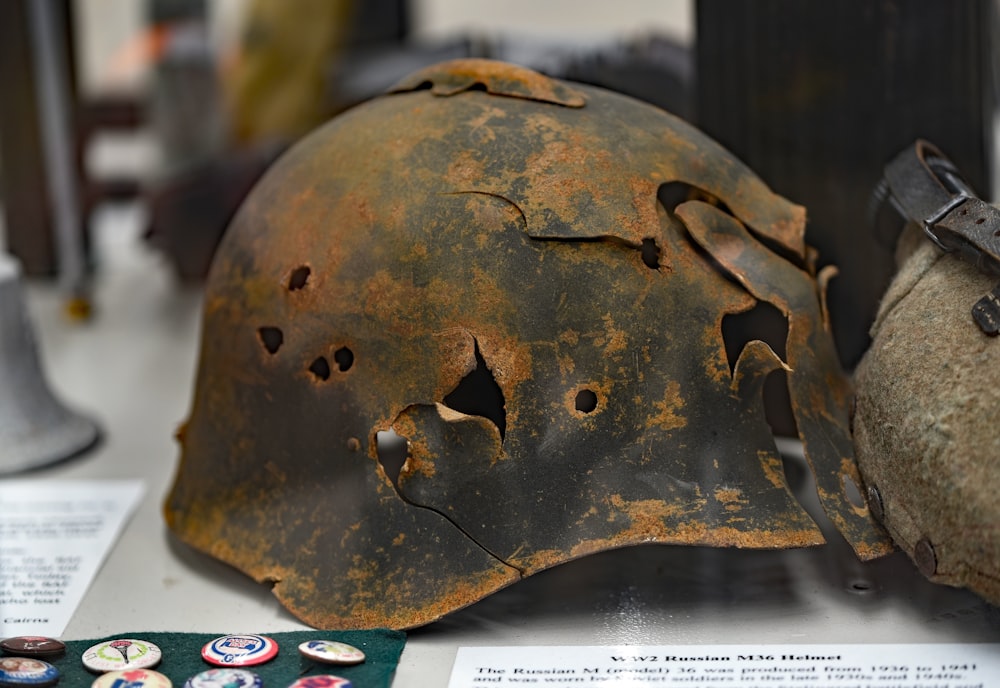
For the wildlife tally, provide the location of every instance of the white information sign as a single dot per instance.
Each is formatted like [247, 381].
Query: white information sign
[732, 666]
[54, 535]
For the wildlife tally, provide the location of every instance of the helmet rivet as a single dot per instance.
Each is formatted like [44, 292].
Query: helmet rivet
[875, 504]
[925, 558]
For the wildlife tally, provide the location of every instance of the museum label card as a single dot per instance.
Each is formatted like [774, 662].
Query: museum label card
[54, 535]
[732, 666]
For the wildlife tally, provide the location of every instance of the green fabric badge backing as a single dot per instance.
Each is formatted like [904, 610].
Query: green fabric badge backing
[182, 657]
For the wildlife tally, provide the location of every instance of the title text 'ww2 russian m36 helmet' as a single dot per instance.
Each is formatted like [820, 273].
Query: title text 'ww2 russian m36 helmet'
[484, 222]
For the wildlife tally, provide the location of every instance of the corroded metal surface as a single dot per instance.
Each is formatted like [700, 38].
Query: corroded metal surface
[484, 220]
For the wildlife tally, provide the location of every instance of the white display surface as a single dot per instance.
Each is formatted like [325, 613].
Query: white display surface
[132, 369]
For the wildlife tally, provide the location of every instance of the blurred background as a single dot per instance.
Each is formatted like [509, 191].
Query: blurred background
[169, 110]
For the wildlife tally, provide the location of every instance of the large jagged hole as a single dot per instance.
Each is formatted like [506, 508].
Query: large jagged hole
[650, 254]
[478, 394]
[392, 450]
[766, 323]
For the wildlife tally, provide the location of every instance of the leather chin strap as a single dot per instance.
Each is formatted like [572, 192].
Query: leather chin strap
[925, 187]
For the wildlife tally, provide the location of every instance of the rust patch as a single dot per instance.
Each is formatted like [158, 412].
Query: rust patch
[614, 339]
[731, 497]
[567, 364]
[570, 337]
[670, 410]
[770, 464]
[369, 611]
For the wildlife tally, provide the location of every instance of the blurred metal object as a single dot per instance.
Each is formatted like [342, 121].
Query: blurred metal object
[36, 429]
[55, 108]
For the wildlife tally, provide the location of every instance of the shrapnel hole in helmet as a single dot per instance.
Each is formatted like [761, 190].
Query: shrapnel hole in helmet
[297, 280]
[344, 359]
[271, 338]
[320, 368]
[478, 394]
[586, 401]
[650, 253]
[391, 449]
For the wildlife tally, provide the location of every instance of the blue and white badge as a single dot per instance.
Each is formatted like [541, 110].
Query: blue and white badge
[27, 671]
[239, 650]
[225, 678]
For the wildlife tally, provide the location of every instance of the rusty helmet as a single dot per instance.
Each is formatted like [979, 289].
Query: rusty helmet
[493, 265]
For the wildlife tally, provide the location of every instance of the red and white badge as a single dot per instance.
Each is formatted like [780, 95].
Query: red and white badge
[239, 650]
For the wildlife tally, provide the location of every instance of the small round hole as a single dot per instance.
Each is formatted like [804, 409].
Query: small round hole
[298, 278]
[320, 368]
[344, 358]
[586, 401]
[271, 338]
[980, 220]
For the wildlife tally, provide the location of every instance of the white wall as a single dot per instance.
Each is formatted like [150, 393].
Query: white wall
[543, 18]
[107, 28]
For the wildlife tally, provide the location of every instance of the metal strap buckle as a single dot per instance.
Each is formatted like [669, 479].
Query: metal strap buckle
[926, 187]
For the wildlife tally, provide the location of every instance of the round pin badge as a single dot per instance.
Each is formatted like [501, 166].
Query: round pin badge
[132, 678]
[239, 650]
[325, 681]
[27, 671]
[331, 652]
[32, 646]
[121, 654]
[225, 677]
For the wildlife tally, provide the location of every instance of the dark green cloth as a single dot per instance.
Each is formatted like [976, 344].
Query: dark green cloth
[182, 657]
